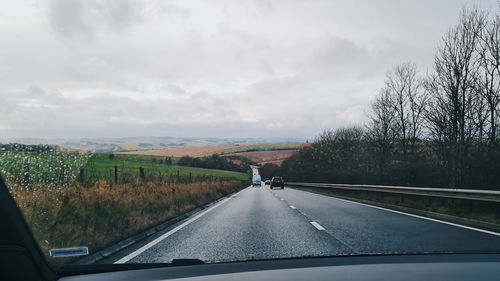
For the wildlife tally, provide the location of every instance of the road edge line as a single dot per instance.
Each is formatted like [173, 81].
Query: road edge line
[115, 248]
[409, 214]
[167, 234]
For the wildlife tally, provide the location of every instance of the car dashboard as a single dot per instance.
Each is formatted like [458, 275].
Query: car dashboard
[397, 267]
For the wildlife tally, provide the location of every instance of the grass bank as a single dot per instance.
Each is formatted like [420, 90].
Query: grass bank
[103, 214]
[488, 212]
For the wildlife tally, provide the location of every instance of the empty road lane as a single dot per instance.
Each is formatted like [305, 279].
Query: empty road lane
[260, 223]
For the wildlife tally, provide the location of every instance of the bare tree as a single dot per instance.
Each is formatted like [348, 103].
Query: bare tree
[439, 131]
[397, 88]
[381, 131]
[453, 89]
[489, 76]
[382, 127]
[418, 102]
[409, 102]
[455, 66]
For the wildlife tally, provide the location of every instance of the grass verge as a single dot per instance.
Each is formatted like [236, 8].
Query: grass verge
[488, 212]
[103, 214]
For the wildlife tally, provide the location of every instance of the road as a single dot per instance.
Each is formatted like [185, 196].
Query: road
[259, 223]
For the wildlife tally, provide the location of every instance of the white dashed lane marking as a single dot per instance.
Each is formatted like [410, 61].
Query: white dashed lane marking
[317, 225]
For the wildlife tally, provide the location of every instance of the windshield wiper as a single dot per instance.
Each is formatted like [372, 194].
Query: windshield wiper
[180, 262]
[74, 269]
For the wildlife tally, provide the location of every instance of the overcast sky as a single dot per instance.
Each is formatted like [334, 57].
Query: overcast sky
[205, 68]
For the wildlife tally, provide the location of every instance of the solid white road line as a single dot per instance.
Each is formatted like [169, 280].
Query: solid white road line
[157, 240]
[317, 225]
[292, 206]
[416, 216]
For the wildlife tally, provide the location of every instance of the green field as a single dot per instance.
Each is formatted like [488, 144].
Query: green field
[129, 164]
[128, 146]
[45, 168]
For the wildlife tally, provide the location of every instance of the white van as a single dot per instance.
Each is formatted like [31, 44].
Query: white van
[256, 180]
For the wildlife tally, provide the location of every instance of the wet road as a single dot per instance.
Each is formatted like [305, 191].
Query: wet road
[262, 223]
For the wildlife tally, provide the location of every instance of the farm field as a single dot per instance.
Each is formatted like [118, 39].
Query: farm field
[155, 166]
[195, 151]
[128, 146]
[265, 147]
[54, 168]
[200, 151]
[44, 167]
[264, 157]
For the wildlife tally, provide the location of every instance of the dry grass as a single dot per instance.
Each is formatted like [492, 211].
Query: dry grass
[200, 151]
[196, 151]
[104, 214]
[482, 211]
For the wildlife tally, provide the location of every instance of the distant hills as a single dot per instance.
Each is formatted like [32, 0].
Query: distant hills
[104, 145]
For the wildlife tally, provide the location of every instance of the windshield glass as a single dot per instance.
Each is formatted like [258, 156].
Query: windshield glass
[148, 131]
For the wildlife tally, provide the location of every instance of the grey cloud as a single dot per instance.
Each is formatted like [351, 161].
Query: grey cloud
[71, 17]
[164, 8]
[223, 68]
[171, 88]
[75, 18]
[121, 13]
[34, 91]
[334, 56]
[43, 112]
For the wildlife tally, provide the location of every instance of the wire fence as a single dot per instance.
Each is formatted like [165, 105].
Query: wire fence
[89, 175]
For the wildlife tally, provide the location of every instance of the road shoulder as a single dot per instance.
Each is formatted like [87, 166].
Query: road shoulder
[427, 214]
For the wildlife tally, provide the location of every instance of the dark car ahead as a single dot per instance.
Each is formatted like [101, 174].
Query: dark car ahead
[277, 182]
[267, 182]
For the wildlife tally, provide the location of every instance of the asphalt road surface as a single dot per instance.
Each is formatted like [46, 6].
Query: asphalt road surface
[259, 223]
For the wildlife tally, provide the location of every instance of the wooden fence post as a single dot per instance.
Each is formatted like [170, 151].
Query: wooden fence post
[61, 177]
[82, 175]
[26, 182]
[141, 173]
[116, 174]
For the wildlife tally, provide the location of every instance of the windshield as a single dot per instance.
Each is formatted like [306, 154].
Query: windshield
[150, 131]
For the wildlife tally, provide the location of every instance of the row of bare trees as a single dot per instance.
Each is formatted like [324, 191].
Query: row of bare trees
[439, 128]
[451, 113]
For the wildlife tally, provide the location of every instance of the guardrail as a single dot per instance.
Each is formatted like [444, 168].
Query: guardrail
[468, 194]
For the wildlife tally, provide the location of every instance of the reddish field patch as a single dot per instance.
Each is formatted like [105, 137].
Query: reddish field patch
[263, 157]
